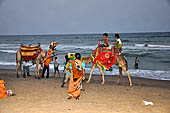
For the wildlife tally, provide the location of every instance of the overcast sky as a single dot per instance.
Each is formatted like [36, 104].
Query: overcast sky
[83, 16]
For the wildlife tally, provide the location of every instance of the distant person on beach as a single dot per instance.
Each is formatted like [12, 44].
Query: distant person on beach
[66, 59]
[26, 65]
[118, 44]
[56, 67]
[136, 63]
[67, 72]
[77, 68]
[105, 39]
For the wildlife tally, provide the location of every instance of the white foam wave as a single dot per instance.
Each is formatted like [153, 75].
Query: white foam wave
[141, 47]
[151, 74]
[93, 47]
[69, 47]
[9, 45]
[152, 46]
[8, 51]
[7, 63]
[158, 75]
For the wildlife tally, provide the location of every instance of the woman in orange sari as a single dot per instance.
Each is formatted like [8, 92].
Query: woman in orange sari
[77, 75]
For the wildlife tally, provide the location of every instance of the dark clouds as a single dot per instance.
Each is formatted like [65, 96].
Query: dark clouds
[87, 16]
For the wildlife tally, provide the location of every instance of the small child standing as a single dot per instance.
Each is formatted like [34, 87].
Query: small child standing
[56, 66]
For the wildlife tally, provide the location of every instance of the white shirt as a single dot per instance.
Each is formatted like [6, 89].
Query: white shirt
[56, 63]
[120, 42]
[27, 64]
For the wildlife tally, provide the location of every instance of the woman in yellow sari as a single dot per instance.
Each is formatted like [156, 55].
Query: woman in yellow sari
[77, 75]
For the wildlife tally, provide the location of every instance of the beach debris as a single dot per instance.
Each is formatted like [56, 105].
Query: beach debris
[146, 103]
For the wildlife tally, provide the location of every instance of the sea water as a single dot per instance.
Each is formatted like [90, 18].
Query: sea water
[152, 49]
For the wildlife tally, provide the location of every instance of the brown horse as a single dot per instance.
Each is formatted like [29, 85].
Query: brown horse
[122, 64]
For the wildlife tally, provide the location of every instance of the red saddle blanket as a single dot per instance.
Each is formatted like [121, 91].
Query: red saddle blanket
[30, 53]
[104, 57]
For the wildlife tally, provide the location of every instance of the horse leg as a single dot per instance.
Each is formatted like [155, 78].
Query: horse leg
[120, 75]
[129, 76]
[102, 73]
[91, 72]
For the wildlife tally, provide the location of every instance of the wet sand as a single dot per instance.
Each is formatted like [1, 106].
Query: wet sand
[46, 95]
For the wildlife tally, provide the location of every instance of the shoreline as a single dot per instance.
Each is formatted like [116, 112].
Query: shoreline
[109, 79]
[47, 96]
[61, 72]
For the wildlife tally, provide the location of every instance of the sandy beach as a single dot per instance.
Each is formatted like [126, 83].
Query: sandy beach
[46, 95]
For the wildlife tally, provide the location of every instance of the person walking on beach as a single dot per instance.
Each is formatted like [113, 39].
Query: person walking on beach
[118, 44]
[67, 72]
[77, 68]
[105, 39]
[66, 59]
[136, 63]
[56, 66]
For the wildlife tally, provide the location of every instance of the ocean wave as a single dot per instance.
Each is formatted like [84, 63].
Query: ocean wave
[152, 46]
[134, 54]
[7, 46]
[71, 47]
[7, 63]
[8, 51]
[150, 74]
[141, 47]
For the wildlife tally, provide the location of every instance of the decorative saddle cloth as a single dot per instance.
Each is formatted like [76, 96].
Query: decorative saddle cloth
[30, 52]
[105, 57]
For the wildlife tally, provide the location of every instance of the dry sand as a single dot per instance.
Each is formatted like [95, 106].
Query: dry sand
[46, 95]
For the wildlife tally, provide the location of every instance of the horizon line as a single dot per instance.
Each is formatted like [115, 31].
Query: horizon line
[82, 33]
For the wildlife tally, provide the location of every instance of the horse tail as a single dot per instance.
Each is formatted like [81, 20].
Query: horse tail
[126, 63]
